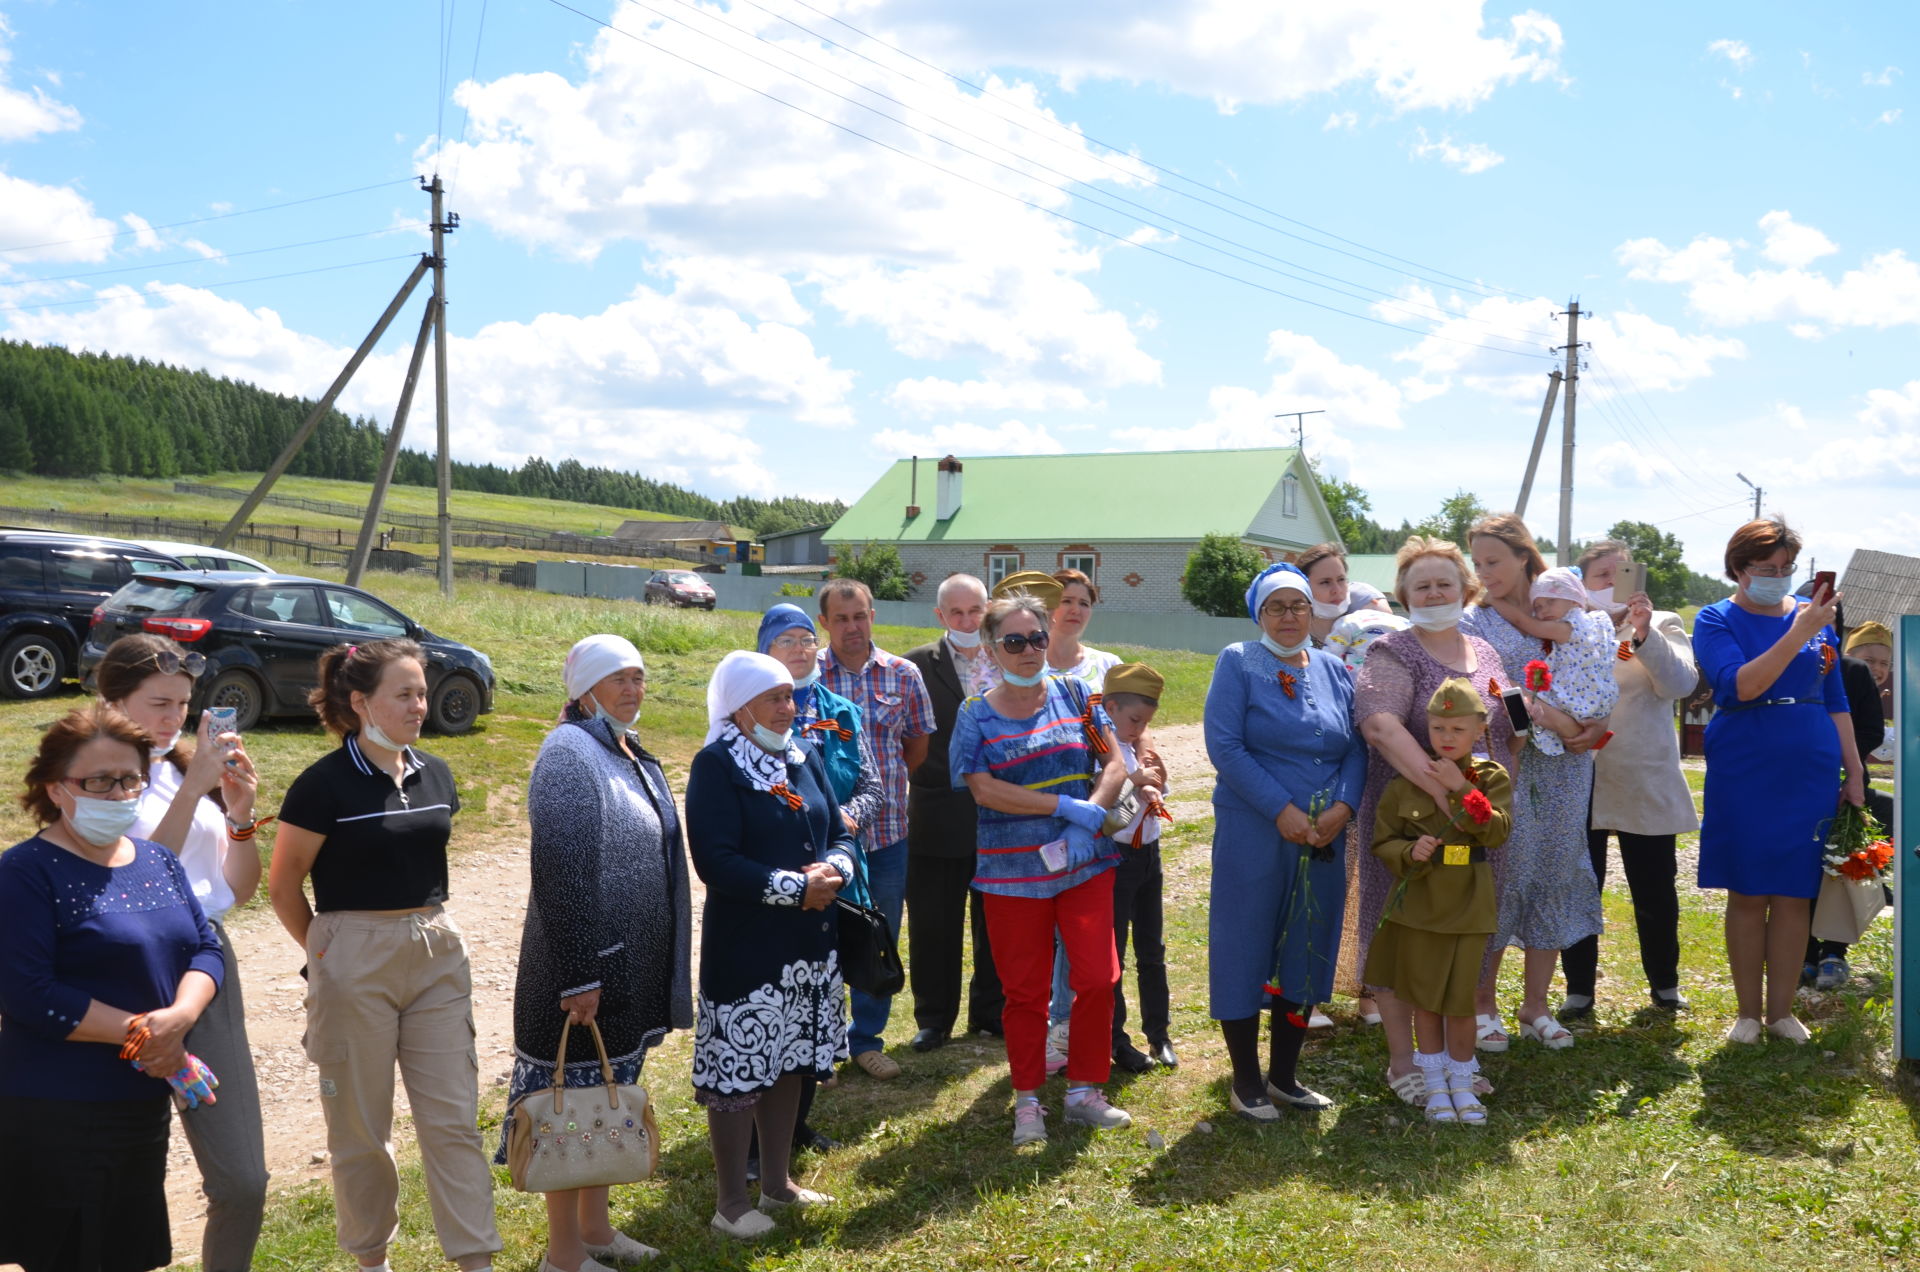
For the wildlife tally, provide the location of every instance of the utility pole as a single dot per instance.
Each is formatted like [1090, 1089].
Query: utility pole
[1572, 347]
[1539, 443]
[370, 524]
[442, 225]
[1299, 424]
[1757, 492]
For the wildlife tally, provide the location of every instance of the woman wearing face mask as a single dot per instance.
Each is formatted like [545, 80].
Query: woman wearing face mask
[1291, 765]
[1398, 679]
[1780, 757]
[107, 954]
[1334, 596]
[199, 803]
[768, 840]
[608, 927]
[387, 972]
[1549, 898]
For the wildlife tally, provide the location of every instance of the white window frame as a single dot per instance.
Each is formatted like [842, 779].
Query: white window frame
[1290, 496]
[1001, 564]
[1088, 563]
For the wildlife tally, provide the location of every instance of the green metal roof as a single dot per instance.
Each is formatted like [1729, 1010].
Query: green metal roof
[1375, 568]
[1161, 495]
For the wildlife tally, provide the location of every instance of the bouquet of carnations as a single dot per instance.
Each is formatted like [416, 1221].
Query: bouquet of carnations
[1857, 864]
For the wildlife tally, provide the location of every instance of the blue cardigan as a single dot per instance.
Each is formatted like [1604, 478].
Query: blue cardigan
[1271, 750]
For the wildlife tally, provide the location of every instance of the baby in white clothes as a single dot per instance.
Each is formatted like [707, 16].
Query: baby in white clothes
[1582, 687]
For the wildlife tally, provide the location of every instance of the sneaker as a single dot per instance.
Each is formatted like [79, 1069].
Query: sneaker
[1092, 1109]
[1807, 972]
[1029, 1123]
[879, 1066]
[1834, 973]
[1056, 1047]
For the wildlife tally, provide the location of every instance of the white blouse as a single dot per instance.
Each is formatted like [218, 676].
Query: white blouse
[204, 855]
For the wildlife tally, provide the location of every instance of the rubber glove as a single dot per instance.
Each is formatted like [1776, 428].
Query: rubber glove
[1083, 847]
[194, 1083]
[1085, 814]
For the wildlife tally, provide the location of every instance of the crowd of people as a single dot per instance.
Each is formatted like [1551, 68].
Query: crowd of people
[1398, 799]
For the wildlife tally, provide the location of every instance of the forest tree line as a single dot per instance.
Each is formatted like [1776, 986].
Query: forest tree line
[65, 414]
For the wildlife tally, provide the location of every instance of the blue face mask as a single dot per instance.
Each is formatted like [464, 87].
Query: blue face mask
[1769, 591]
[1283, 651]
[1025, 682]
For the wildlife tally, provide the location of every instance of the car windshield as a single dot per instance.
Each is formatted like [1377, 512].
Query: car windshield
[151, 596]
[683, 578]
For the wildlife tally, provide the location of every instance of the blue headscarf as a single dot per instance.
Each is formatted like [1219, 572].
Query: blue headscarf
[1271, 580]
[779, 620]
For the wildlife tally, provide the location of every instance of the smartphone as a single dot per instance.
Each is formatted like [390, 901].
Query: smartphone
[220, 720]
[1631, 579]
[1517, 710]
[1823, 587]
[1054, 855]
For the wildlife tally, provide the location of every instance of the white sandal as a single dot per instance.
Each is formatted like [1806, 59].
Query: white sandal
[1410, 1086]
[1491, 1033]
[1439, 1101]
[1467, 1109]
[1548, 1032]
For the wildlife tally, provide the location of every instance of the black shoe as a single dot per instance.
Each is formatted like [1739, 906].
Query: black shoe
[806, 1138]
[1574, 1011]
[1674, 1000]
[1130, 1057]
[1161, 1052]
[929, 1040]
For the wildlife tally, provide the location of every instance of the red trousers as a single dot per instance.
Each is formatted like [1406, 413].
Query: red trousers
[1021, 930]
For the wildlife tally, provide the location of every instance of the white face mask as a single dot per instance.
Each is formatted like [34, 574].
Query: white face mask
[964, 640]
[1329, 609]
[1435, 618]
[161, 752]
[769, 741]
[1600, 597]
[378, 736]
[102, 822]
[807, 681]
[1284, 651]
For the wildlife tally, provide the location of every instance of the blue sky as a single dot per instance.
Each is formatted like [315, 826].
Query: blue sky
[663, 270]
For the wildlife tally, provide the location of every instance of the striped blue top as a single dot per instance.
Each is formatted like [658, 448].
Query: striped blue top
[1047, 752]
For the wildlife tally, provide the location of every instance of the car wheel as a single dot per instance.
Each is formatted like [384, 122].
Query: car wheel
[239, 690]
[649, 599]
[454, 705]
[31, 666]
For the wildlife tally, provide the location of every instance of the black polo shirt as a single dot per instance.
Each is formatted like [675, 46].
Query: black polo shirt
[386, 845]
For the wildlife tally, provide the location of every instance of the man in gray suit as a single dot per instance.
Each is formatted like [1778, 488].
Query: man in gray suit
[940, 834]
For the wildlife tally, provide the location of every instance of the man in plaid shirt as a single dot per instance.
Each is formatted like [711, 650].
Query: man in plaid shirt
[898, 717]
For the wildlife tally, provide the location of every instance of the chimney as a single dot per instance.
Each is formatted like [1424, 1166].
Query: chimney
[947, 489]
[913, 496]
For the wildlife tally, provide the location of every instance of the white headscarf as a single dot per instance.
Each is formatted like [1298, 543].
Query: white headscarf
[742, 676]
[594, 659]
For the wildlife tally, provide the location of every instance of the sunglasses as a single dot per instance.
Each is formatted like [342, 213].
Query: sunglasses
[1018, 644]
[168, 662]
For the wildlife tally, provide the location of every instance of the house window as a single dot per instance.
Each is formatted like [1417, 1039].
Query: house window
[999, 565]
[1086, 561]
[1290, 496]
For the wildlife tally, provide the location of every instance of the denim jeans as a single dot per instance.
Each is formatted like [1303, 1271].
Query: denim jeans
[887, 880]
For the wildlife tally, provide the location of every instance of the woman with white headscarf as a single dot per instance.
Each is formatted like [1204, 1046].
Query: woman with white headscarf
[608, 924]
[768, 840]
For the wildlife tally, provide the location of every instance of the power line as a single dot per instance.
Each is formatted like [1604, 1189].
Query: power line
[473, 74]
[1738, 503]
[1645, 433]
[231, 282]
[201, 220]
[1007, 194]
[1410, 308]
[1607, 371]
[1458, 280]
[207, 260]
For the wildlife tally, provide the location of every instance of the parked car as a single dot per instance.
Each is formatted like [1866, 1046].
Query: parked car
[679, 587]
[49, 586]
[197, 556]
[261, 634]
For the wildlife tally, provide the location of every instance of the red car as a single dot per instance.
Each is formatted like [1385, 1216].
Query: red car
[679, 587]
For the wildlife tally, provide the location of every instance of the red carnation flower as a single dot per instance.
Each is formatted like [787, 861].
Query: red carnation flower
[1477, 806]
[1539, 676]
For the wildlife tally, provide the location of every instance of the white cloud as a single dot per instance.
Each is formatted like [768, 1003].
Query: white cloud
[1341, 120]
[1010, 437]
[143, 235]
[1882, 292]
[718, 280]
[1791, 416]
[1735, 51]
[1883, 79]
[1889, 117]
[929, 396]
[31, 213]
[1886, 442]
[23, 113]
[1792, 244]
[1471, 158]
[1413, 54]
[1806, 331]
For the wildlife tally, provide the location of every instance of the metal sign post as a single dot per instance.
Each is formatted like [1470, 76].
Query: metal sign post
[1906, 844]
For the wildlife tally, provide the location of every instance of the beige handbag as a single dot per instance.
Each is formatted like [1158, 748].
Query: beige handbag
[583, 1137]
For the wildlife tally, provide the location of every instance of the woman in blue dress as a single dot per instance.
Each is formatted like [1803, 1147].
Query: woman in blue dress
[1280, 733]
[1776, 748]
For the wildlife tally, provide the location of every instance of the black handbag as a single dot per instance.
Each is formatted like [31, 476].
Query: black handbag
[869, 955]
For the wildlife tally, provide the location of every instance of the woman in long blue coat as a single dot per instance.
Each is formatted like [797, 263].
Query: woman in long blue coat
[1291, 764]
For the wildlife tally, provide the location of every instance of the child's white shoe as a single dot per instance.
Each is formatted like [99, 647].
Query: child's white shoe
[1439, 1099]
[1467, 1108]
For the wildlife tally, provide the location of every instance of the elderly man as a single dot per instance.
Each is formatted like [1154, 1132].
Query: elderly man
[940, 833]
[894, 706]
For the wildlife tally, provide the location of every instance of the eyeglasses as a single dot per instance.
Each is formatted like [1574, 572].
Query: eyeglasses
[1018, 644]
[105, 783]
[797, 643]
[1771, 571]
[169, 662]
[1294, 609]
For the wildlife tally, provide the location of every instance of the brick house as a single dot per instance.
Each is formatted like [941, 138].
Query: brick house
[1128, 520]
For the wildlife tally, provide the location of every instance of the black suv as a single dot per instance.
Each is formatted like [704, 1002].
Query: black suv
[261, 634]
[49, 586]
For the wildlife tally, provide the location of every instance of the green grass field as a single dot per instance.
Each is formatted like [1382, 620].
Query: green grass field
[1649, 1145]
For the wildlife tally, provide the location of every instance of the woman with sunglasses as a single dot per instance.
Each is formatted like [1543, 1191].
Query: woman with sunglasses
[1040, 759]
[198, 803]
[108, 959]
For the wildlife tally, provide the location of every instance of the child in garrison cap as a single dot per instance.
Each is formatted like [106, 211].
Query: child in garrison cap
[1131, 696]
[1443, 911]
[1580, 661]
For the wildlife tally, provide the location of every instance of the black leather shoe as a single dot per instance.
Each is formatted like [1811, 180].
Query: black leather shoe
[808, 1138]
[1676, 1001]
[929, 1040]
[1131, 1058]
[1161, 1053]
